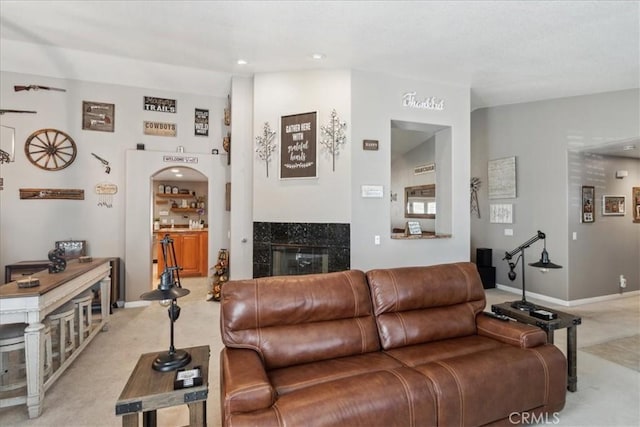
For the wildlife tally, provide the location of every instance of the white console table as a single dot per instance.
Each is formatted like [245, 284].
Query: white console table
[32, 305]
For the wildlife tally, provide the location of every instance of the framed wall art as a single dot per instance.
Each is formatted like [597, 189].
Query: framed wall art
[298, 153]
[501, 213]
[588, 204]
[201, 122]
[98, 116]
[502, 178]
[613, 205]
[635, 201]
[413, 228]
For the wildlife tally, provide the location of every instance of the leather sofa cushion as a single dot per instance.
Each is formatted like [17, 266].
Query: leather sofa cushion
[486, 386]
[395, 397]
[421, 354]
[415, 305]
[291, 320]
[289, 379]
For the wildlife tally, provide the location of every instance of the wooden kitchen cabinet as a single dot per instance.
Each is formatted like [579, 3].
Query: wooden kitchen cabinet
[191, 252]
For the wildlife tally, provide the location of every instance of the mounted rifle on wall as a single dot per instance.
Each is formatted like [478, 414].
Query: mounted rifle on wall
[20, 88]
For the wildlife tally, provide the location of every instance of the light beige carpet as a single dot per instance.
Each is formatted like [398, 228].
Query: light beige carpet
[623, 351]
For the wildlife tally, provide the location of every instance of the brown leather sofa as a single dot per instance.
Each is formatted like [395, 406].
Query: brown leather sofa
[392, 347]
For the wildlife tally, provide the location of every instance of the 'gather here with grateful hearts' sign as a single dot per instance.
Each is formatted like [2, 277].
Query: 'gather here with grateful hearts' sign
[298, 146]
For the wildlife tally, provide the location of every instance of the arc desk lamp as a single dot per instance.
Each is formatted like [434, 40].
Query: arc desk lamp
[543, 264]
[167, 292]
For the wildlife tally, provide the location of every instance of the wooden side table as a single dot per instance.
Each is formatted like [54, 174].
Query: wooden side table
[148, 390]
[564, 320]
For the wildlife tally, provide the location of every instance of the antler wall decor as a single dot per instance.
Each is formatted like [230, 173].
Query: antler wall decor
[334, 136]
[265, 145]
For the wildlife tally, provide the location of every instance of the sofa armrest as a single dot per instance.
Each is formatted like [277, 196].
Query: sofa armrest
[514, 333]
[244, 384]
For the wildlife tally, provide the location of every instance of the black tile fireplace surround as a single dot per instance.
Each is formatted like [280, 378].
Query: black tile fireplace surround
[267, 236]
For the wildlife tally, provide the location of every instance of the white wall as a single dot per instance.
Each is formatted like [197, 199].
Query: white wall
[323, 199]
[376, 100]
[29, 228]
[540, 134]
[242, 155]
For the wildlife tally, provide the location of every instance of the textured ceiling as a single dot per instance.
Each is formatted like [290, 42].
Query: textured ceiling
[505, 51]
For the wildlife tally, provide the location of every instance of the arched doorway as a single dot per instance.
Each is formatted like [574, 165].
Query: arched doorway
[142, 168]
[179, 211]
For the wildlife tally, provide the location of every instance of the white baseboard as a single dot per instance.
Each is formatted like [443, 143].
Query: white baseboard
[572, 303]
[134, 304]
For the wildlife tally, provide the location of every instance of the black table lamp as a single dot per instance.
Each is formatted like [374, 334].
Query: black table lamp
[543, 264]
[168, 291]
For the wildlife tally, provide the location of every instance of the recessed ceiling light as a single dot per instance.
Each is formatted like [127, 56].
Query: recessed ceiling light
[629, 147]
[318, 56]
[175, 170]
[241, 62]
[178, 175]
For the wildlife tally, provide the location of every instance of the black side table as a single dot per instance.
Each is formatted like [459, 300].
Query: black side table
[564, 320]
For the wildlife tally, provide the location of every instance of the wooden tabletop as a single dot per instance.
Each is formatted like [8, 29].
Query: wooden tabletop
[148, 389]
[49, 281]
[564, 320]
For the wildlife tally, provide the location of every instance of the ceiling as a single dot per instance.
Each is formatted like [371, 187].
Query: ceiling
[505, 51]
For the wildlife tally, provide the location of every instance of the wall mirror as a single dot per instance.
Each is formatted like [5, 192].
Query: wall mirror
[420, 179]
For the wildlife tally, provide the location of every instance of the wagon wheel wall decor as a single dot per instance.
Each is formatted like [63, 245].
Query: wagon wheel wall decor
[50, 149]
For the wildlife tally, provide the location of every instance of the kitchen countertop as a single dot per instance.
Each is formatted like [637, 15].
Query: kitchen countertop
[180, 230]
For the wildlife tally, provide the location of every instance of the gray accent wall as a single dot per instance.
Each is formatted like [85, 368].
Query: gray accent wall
[543, 136]
[609, 246]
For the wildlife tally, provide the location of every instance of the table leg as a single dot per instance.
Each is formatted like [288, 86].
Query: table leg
[34, 355]
[549, 336]
[198, 413]
[130, 420]
[105, 301]
[572, 359]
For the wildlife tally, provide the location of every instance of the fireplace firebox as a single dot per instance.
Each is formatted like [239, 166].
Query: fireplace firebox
[300, 248]
[296, 259]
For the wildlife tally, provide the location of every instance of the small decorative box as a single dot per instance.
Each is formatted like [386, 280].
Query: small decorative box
[186, 378]
[84, 259]
[28, 283]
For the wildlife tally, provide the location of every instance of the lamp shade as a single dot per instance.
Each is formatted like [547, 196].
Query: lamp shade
[164, 294]
[167, 290]
[544, 261]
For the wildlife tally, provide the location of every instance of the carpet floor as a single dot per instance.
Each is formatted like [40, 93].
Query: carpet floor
[85, 395]
[623, 351]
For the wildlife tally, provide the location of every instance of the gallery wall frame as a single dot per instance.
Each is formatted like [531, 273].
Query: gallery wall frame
[502, 178]
[501, 213]
[635, 202]
[99, 116]
[588, 204]
[613, 205]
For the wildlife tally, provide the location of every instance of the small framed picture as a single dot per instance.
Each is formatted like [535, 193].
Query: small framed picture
[588, 199]
[413, 228]
[98, 116]
[613, 205]
[636, 204]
